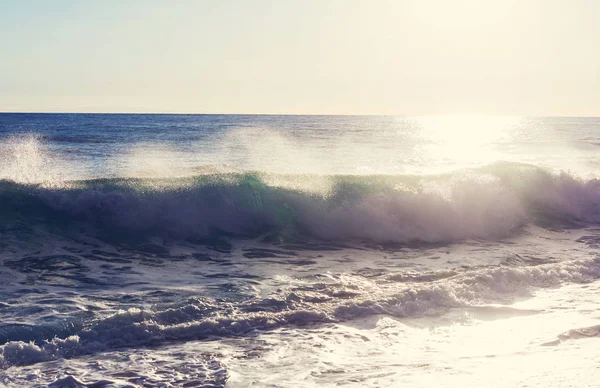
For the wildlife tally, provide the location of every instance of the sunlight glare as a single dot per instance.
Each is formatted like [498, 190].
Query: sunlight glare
[465, 139]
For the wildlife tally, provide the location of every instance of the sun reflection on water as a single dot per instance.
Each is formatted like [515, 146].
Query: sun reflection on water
[464, 140]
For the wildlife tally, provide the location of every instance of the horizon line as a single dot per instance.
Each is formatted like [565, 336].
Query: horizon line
[298, 114]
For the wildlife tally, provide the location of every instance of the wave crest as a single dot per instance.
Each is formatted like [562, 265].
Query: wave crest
[490, 202]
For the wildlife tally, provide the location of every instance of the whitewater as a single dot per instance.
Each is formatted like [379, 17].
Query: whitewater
[298, 251]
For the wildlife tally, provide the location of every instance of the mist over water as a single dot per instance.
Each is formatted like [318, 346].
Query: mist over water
[94, 146]
[207, 249]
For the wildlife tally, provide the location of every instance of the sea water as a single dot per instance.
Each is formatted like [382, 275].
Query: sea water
[287, 251]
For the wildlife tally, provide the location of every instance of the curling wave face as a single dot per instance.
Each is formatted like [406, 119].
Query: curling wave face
[489, 202]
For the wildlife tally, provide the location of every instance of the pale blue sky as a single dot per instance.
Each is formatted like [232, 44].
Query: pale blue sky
[411, 57]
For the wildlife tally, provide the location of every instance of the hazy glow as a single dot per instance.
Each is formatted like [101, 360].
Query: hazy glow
[465, 138]
[411, 57]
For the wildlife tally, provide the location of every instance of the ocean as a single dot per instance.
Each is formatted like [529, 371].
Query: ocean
[298, 251]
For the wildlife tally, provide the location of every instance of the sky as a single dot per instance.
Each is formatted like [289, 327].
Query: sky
[403, 57]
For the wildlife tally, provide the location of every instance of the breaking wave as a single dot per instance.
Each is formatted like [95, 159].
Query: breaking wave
[489, 202]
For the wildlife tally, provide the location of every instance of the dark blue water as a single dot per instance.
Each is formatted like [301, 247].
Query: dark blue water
[92, 140]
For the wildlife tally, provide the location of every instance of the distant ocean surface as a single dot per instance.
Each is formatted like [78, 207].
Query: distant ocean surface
[285, 251]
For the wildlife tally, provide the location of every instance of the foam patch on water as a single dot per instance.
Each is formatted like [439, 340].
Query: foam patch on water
[174, 365]
[328, 299]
